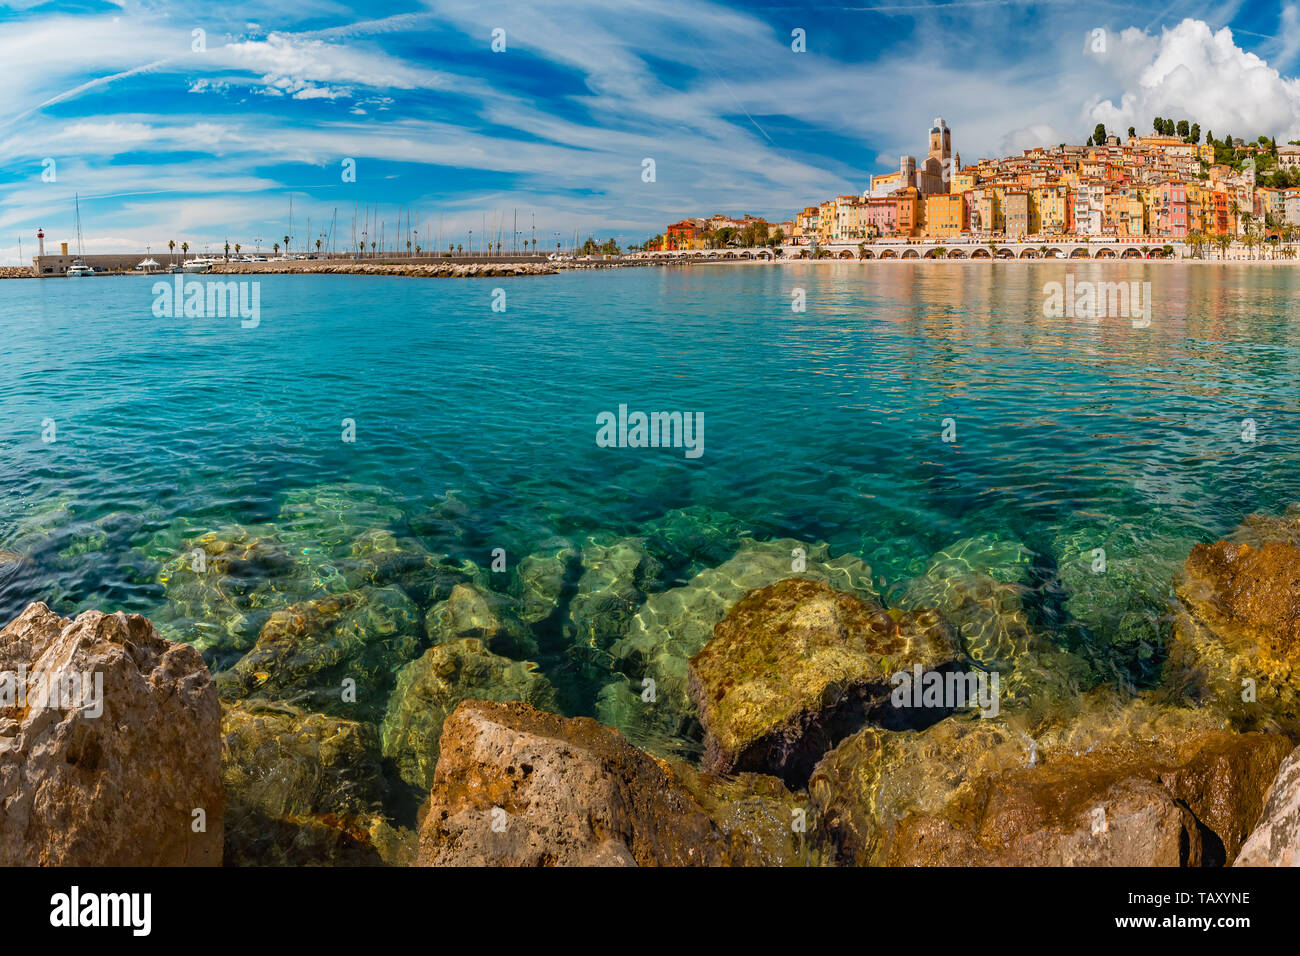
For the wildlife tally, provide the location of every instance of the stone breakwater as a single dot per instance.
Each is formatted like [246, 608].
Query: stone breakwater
[378, 702]
[15, 272]
[420, 271]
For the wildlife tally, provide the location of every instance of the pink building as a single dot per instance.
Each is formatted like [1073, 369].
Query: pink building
[880, 215]
[1171, 209]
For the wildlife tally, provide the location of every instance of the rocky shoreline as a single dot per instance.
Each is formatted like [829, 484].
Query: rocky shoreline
[400, 719]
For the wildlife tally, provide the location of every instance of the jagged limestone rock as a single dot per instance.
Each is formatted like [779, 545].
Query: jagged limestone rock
[126, 769]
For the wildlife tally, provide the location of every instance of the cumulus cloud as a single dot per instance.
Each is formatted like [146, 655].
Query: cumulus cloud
[1193, 72]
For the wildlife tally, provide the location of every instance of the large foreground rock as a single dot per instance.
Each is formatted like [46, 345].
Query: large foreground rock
[1118, 784]
[795, 667]
[121, 788]
[1276, 840]
[516, 786]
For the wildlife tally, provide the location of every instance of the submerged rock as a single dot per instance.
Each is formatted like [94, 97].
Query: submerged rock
[306, 652]
[304, 789]
[545, 577]
[796, 666]
[482, 615]
[1275, 841]
[1237, 630]
[518, 787]
[123, 775]
[616, 576]
[1116, 584]
[1129, 784]
[694, 538]
[673, 626]
[221, 586]
[766, 824]
[429, 689]
[980, 586]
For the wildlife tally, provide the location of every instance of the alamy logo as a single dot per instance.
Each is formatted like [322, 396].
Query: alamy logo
[74, 909]
[62, 690]
[953, 690]
[653, 430]
[193, 299]
[1096, 300]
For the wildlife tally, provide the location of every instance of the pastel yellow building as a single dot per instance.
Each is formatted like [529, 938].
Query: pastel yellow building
[963, 181]
[1048, 210]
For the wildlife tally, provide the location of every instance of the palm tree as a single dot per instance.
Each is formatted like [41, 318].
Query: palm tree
[286, 245]
[236, 248]
[227, 248]
[459, 247]
[1223, 241]
[171, 247]
[185, 248]
[993, 249]
[276, 247]
[1146, 251]
[1251, 241]
[318, 245]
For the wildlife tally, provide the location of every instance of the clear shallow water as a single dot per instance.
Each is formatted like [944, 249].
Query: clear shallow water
[821, 426]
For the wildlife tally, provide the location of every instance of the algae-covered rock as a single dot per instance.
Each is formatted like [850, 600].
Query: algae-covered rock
[306, 652]
[303, 788]
[518, 787]
[616, 576]
[1103, 786]
[430, 687]
[1237, 630]
[796, 666]
[673, 626]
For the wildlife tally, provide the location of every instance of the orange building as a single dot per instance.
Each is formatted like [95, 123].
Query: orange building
[945, 215]
[910, 211]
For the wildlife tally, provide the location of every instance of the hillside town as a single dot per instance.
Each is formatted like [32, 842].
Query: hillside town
[1167, 186]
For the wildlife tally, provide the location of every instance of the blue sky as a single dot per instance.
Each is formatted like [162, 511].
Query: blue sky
[164, 141]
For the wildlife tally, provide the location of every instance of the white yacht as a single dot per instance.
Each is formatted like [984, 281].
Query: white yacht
[79, 269]
[199, 264]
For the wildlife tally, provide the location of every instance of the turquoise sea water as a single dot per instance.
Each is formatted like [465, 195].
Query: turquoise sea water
[475, 429]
